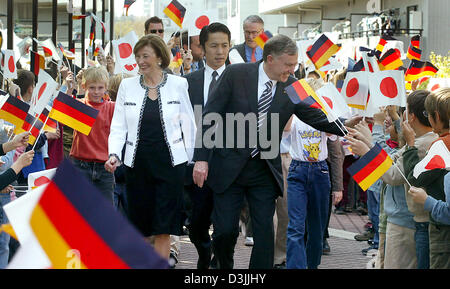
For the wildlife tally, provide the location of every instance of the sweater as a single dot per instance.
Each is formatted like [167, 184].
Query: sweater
[431, 181]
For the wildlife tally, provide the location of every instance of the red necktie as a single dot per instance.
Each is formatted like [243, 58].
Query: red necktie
[253, 55]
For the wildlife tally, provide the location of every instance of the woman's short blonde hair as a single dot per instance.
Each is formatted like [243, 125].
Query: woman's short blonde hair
[114, 83]
[95, 74]
[158, 45]
[439, 102]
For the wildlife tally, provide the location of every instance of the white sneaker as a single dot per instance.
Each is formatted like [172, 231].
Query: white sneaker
[249, 241]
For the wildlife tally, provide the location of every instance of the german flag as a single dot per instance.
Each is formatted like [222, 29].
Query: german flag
[14, 111]
[79, 17]
[177, 60]
[127, 4]
[34, 126]
[37, 62]
[301, 91]
[47, 51]
[72, 214]
[96, 51]
[175, 11]
[322, 50]
[262, 38]
[73, 113]
[415, 41]
[50, 125]
[414, 52]
[391, 60]
[383, 40]
[369, 168]
[92, 34]
[418, 69]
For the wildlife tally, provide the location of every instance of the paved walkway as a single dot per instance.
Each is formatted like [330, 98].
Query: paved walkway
[345, 251]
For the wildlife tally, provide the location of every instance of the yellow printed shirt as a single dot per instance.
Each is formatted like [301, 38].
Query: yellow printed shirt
[307, 143]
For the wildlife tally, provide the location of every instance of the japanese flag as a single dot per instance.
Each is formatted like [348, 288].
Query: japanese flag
[388, 88]
[334, 64]
[49, 48]
[436, 83]
[438, 157]
[356, 89]
[40, 178]
[334, 100]
[43, 92]
[199, 19]
[24, 46]
[123, 53]
[235, 57]
[9, 64]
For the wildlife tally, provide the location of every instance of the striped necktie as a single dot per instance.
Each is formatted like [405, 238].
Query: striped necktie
[263, 107]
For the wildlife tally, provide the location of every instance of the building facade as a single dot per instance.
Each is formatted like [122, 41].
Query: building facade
[363, 21]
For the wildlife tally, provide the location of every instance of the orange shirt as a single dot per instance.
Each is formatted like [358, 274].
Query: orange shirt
[94, 147]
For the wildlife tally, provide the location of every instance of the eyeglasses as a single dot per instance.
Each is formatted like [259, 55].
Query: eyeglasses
[256, 33]
[157, 30]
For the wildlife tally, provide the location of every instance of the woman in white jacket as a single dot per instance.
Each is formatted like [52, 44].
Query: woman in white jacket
[154, 120]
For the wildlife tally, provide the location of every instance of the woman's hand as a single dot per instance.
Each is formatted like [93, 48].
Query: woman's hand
[112, 164]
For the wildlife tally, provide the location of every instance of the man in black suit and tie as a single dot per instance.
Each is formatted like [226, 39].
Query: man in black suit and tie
[215, 42]
[249, 50]
[253, 169]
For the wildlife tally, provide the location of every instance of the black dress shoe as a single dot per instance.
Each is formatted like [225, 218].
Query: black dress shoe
[280, 266]
[326, 250]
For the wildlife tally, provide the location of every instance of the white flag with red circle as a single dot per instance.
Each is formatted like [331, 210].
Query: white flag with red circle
[436, 83]
[356, 89]
[438, 157]
[41, 178]
[123, 54]
[42, 93]
[9, 64]
[334, 100]
[199, 19]
[387, 88]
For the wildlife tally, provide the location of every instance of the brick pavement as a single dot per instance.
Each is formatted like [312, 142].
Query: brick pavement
[345, 251]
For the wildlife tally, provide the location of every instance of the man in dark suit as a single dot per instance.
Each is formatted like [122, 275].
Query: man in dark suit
[249, 50]
[253, 168]
[215, 42]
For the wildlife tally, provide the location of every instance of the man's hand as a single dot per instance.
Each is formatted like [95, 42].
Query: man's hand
[419, 195]
[200, 173]
[337, 197]
[358, 147]
[112, 164]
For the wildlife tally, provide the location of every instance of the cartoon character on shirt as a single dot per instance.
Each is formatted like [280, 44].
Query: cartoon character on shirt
[312, 151]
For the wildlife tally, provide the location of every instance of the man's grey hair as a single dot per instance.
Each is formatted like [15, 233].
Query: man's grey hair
[253, 19]
[278, 45]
